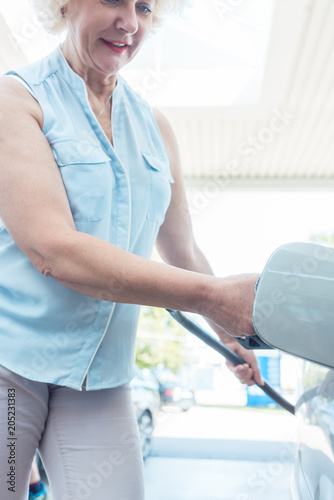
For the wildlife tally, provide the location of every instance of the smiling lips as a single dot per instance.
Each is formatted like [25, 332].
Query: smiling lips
[118, 47]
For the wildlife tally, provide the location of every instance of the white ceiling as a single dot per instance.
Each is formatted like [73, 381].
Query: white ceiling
[245, 146]
[286, 140]
[212, 56]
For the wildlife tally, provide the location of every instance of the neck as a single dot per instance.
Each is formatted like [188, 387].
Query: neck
[98, 83]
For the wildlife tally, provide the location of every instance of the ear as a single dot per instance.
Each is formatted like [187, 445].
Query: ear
[63, 11]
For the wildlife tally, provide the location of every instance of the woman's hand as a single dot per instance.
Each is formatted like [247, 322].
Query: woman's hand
[228, 302]
[248, 373]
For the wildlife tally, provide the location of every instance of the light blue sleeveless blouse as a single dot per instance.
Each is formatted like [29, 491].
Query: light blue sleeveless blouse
[120, 194]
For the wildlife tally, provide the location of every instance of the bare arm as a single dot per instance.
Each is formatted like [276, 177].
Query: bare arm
[35, 210]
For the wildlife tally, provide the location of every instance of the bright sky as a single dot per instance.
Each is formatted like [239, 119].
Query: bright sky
[239, 230]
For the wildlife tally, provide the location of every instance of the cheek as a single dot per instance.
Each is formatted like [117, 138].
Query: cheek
[134, 50]
[142, 35]
[78, 29]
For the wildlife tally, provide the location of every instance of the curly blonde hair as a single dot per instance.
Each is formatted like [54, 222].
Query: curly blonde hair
[50, 16]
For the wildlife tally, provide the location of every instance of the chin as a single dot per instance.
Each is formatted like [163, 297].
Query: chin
[109, 68]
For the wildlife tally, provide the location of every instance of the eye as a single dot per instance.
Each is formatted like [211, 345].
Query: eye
[144, 9]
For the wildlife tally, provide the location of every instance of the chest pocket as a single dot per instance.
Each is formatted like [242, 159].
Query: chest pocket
[160, 190]
[85, 169]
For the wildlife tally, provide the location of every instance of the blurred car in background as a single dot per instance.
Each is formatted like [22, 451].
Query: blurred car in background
[313, 477]
[172, 394]
[146, 400]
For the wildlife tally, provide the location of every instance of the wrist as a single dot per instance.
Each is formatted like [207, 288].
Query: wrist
[205, 294]
[214, 301]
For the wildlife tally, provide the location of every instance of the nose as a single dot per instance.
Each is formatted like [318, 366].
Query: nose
[127, 19]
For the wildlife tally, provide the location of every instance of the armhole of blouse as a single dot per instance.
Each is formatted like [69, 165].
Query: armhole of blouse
[19, 79]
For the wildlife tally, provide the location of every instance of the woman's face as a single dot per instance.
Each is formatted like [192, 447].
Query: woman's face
[106, 34]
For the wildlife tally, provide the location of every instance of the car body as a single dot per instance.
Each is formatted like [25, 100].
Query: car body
[146, 400]
[173, 394]
[313, 477]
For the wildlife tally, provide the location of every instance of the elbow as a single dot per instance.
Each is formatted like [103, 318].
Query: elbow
[44, 268]
[50, 258]
[43, 265]
[187, 257]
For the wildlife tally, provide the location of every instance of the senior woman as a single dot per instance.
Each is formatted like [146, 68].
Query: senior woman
[89, 181]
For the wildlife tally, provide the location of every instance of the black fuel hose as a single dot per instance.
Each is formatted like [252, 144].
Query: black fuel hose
[193, 327]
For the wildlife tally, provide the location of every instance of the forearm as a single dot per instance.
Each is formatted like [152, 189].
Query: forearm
[97, 268]
[94, 267]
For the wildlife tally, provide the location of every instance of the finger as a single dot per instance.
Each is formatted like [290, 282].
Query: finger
[251, 376]
[257, 375]
[237, 369]
[244, 373]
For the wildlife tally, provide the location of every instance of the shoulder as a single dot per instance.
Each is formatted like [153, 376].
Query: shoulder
[165, 127]
[167, 133]
[162, 120]
[16, 99]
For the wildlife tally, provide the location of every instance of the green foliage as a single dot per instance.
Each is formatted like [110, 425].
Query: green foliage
[159, 341]
[323, 239]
